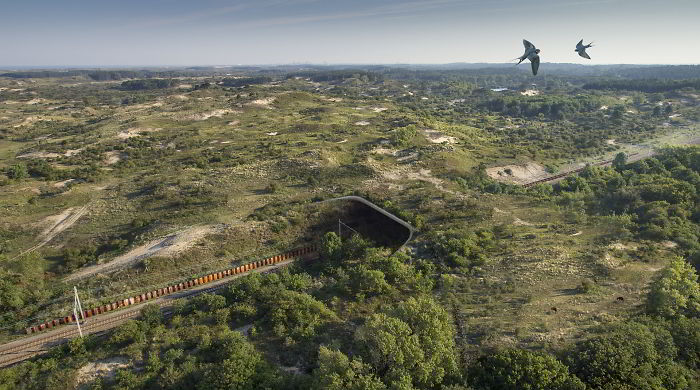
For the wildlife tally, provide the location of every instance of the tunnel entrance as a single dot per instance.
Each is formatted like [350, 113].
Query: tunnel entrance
[355, 215]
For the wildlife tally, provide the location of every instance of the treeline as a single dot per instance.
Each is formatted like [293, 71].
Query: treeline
[41, 74]
[338, 75]
[243, 81]
[643, 85]
[146, 84]
[662, 72]
[99, 75]
[556, 107]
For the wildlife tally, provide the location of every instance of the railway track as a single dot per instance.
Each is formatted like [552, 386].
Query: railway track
[28, 347]
[632, 157]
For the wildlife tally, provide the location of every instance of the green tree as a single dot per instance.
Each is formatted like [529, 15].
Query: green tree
[519, 369]
[367, 282]
[390, 347]
[629, 356]
[290, 313]
[413, 343]
[620, 161]
[331, 247]
[336, 372]
[237, 363]
[676, 292]
[17, 171]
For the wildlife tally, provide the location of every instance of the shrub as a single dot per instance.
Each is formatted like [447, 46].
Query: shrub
[519, 369]
[676, 292]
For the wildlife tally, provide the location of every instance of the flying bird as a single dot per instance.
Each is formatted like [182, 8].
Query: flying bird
[581, 49]
[531, 53]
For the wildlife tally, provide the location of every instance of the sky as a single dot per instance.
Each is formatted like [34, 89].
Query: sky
[250, 32]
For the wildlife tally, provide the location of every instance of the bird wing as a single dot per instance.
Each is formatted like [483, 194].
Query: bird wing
[583, 54]
[528, 45]
[535, 61]
[579, 44]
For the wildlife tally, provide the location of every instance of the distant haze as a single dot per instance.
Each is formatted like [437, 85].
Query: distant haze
[179, 32]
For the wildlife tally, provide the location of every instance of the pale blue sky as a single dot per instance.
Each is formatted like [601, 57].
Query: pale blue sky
[186, 32]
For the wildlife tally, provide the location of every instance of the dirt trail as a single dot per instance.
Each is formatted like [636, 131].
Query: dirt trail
[59, 223]
[169, 245]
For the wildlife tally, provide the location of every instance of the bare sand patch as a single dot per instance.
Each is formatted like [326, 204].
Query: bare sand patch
[40, 155]
[385, 151]
[620, 246]
[265, 102]
[361, 123]
[610, 141]
[36, 101]
[206, 115]
[519, 222]
[234, 123]
[56, 224]
[72, 152]
[422, 175]
[519, 174]
[112, 157]
[169, 245]
[60, 222]
[30, 120]
[530, 92]
[100, 369]
[378, 109]
[136, 131]
[669, 244]
[179, 97]
[437, 137]
[145, 105]
[184, 86]
[408, 157]
[63, 183]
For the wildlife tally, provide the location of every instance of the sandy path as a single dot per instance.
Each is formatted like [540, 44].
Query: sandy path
[169, 245]
[59, 223]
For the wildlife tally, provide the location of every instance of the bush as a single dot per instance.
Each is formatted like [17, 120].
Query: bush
[17, 171]
[628, 356]
[518, 369]
[337, 372]
[676, 292]
[411, 344]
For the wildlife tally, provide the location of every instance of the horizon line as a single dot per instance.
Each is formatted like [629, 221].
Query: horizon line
[122, 66]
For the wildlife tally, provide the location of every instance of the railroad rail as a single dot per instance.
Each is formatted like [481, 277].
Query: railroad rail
[564, 174]
[48, 337]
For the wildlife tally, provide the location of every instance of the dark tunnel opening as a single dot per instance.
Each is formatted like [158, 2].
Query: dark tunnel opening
[349, 215]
